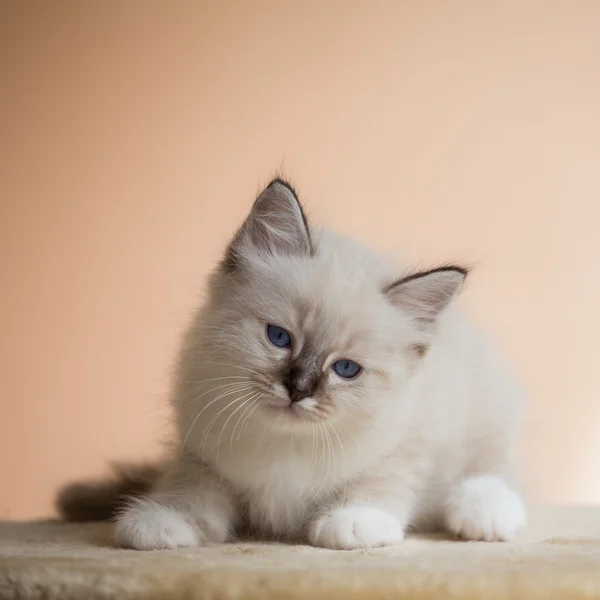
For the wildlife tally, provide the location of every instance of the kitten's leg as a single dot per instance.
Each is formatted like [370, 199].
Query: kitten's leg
[484, 507]
[356, 525]
[190, 507]
[371, 512]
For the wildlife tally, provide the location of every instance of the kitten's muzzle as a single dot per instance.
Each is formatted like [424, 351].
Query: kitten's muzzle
[301, 379]
[297, 393]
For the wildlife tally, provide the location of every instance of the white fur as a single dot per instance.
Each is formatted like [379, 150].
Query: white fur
[355, 527]
[485, 508]
[408, 443]
[148, 525]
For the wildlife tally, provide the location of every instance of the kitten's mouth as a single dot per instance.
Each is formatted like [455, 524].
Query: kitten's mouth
[296, 410]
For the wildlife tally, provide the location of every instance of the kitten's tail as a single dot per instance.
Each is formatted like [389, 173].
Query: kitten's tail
[102, 500]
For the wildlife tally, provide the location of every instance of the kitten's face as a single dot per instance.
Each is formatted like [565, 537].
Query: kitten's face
[313, 344]
[313, 323]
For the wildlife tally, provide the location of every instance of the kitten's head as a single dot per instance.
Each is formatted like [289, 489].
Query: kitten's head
[317, 327]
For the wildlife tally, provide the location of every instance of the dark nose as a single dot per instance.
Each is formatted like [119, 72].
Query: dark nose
[301, 380]
[298, 393]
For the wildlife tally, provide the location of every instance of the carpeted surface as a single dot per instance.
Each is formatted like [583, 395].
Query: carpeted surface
[558, 557]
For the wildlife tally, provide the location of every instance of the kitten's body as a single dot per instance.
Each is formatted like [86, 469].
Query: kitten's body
[421, 438]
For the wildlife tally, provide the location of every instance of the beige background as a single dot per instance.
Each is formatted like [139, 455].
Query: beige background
[134, 136]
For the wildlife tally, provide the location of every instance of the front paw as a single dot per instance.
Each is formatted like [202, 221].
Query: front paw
[148, 525]
[355, 527]
[485, 508]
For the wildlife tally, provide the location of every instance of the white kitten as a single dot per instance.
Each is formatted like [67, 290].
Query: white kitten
[321, 395]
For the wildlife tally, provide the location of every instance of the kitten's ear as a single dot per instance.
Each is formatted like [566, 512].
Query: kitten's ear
[276, 225]
[424, 296]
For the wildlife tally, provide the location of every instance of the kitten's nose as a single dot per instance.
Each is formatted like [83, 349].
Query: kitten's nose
[298, 393]
[300, 382]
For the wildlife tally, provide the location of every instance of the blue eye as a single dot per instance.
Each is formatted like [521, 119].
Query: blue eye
[278, 336]
[346, 368]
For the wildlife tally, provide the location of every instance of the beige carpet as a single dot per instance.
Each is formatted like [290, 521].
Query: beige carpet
[558, 557]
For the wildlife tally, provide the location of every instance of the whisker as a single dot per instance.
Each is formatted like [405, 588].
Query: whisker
[330, 453]
[195, 399]
[349, 433]
[258, 404]
[242, 417]
[216, 418]
[232, 365]
[313, 456]
[322, 474]
[240, 407]
[334, 431]
[236, 387]
[199, 381]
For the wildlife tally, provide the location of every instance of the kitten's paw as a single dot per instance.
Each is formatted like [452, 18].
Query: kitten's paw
[355, 527]
[148, 525]
[485, 508]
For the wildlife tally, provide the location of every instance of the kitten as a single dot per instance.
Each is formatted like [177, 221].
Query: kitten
[321, 395]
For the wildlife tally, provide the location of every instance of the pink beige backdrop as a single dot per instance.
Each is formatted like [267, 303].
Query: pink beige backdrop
[134, 135]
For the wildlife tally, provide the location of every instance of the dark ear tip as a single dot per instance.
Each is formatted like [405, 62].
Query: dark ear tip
[280, 189]
[279, 181]
[450, 268]
[463, 270]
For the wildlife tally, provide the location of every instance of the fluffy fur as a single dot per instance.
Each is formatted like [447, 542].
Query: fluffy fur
[421, 438]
